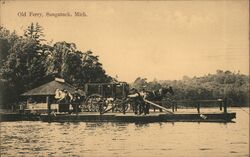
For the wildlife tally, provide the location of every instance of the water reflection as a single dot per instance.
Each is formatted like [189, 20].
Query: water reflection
[141, 125]
[126, 139]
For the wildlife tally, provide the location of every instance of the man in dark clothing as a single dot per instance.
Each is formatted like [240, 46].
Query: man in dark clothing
[67, 100]
[76, 101]
[64, 100]
[138, 102]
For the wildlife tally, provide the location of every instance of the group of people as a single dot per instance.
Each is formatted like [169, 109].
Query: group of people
[138, 103]
[65, 99]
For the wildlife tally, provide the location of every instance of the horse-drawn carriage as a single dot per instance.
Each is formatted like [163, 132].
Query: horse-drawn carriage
[100, 97]
[104, 97]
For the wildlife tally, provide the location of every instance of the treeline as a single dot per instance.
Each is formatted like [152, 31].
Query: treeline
[28, 61]
[234, 86]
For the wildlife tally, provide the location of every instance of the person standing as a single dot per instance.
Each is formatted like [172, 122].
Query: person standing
[138, 102]
[60, 95]
[76, 101]
[146, 106]
[67, 100]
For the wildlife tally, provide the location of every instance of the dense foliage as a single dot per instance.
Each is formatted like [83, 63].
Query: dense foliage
[26, 61]
[234, 86]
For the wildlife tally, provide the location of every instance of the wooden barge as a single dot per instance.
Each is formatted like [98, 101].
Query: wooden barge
[222, 115]
[131, 117]
[119, 117]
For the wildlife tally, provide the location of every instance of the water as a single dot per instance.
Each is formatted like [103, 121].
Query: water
[127, 139]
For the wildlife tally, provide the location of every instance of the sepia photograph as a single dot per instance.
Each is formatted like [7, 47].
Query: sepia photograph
[124, 78]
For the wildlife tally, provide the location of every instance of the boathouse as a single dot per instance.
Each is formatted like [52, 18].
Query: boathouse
[37, 99]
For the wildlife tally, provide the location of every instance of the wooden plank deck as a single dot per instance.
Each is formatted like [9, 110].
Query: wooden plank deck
[131, 117]
[182, 115]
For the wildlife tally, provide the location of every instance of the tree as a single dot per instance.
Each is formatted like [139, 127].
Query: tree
[34, 32]
[140, 83]
[24, 65]
[59, 54]
[26, 61]
[76, 67]
[7, 40]
[234, 86]
[72, 69]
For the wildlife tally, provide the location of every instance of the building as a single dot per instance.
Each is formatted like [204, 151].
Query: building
[37, 99]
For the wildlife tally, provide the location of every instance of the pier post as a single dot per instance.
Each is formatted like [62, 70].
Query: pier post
[48, 106]
[176, 106]
[225, 105]
[220, 103]
[198, 107]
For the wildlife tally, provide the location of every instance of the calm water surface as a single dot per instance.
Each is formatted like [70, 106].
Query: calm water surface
[127, 139]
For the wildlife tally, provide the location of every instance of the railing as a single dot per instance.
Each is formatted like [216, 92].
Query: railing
[222, 103]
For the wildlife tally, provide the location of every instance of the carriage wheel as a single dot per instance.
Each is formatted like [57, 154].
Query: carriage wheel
[95, 103]
[83, 106]
[119, 105]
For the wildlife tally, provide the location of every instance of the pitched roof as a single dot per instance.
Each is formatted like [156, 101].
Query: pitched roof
[49, 89]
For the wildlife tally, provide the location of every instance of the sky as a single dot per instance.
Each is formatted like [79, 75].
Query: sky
[161, 40]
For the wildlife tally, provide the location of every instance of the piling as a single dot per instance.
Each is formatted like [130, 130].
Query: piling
[198, 107]
[220, 103]
[176, 106]
[173, 106]
[48, 106]
[225, 105]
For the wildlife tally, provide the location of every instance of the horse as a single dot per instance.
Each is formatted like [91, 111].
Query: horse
[158, 95]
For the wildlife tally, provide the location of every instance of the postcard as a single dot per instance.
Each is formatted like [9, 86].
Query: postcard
[124, 78]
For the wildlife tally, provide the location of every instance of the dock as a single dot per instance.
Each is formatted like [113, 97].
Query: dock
[131, 117]
[180, 116]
